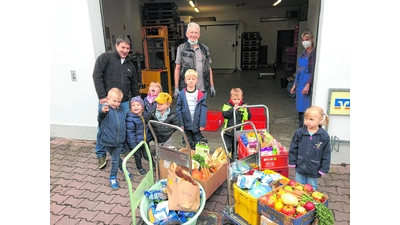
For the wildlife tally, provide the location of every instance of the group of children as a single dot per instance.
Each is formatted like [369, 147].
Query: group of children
[119, 129]
[309, 151]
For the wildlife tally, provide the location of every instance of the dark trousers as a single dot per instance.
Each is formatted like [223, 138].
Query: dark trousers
[193, 138]
[229, 141]
[138, 155]
[301, 119]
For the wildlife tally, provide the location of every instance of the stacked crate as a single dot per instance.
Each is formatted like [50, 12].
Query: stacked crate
[163, 14]
[250, 50]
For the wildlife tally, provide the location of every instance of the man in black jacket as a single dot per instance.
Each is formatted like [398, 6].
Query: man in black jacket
[114, 69]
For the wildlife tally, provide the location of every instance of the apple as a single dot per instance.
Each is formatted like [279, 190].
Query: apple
[317, 196]
[309, 206]
[292, 183]
[270, 202]
[288, 210]
[301, 210]
[264, 199]
[288, 188]
[299, 187]
[308, 188]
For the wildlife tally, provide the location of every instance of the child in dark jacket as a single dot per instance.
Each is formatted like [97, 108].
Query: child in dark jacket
[165, 114]
[191, 108]
[137, 131]
[310, 148]
[241, 114]
[113, 131]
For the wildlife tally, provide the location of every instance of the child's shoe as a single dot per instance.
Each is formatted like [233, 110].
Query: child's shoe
[142, 171]
[114, 183]
[130, 176]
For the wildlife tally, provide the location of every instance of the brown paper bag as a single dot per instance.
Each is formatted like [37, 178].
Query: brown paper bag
[183, 191]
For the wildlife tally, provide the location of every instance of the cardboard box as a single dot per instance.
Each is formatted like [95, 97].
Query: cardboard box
[210, 185]
[265, 221]
[282, 219]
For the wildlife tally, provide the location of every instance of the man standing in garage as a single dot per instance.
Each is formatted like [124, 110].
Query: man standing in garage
[193, 55]
[114, 69]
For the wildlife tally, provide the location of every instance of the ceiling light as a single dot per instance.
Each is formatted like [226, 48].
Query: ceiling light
[196, 9]
[191, 3]
[276, 3]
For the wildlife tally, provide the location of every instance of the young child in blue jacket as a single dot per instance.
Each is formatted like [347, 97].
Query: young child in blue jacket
[310, 148]
[138, 131]
[112, 125]
[191, 108]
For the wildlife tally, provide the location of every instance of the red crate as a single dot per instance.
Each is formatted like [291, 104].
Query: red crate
[214, 120]
[242, 150]
[259, 124]
[257, 111]
[284, 171]
[272, 161]
[258, 117]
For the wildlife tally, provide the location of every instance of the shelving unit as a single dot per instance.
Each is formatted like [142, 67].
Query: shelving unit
[250, 50]
[291, 55]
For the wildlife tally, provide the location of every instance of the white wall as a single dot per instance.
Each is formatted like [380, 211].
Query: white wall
[76, 41]
[333, 71]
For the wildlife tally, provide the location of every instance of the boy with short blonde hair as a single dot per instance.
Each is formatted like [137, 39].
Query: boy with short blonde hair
[112, 125]
[191, 108]
[241, 114]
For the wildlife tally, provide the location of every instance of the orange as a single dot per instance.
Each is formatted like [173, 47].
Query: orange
[278, 206]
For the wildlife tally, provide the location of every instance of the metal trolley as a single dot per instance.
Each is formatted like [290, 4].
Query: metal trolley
[229, 211]
[167, 153]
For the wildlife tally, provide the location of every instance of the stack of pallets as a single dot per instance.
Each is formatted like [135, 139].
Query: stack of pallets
[164, 14]
[250, 50]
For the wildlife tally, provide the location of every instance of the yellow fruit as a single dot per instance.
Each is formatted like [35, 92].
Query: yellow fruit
[278, 206]
[280, 193]
[273, 197]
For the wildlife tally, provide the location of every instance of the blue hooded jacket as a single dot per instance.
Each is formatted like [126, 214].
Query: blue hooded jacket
[137, 129]
[200, 113]
[112, 127]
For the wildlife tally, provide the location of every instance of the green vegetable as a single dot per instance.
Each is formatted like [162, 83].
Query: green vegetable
[200, 160]
[324, 215]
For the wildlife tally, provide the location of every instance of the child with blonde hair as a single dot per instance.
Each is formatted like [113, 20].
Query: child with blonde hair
[310, 148]
[191, 108]
[112, 125]
[241, 114]
[155, 88]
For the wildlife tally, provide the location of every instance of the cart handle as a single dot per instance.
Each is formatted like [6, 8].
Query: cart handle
[179, 155]
[146, 183]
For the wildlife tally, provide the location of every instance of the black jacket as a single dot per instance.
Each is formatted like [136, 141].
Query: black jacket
[109, 72]
[163, 133]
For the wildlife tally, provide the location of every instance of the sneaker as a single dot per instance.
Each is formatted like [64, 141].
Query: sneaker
[130, 177]
[114, 183]
[102, 161]
[142, 171]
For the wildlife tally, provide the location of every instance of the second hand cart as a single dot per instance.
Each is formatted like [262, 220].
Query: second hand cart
[254, 158]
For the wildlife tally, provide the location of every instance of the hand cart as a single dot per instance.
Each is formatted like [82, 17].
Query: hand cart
[171, 154]
[254, 158]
